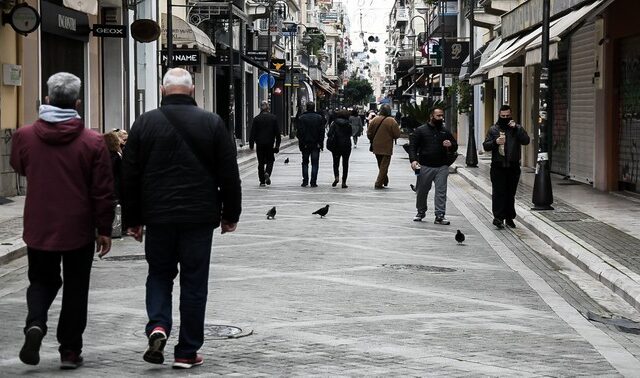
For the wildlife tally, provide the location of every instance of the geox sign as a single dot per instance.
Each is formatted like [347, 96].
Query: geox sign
[109, 31]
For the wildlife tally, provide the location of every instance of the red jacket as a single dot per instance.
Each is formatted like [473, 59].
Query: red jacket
[70, 184]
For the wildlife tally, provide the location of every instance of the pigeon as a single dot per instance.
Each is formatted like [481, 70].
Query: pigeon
[271, 214]
[412, 187]
[459, 237]
[286, 161]
[322, 211]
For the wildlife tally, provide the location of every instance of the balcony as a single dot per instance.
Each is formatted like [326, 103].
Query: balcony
[444, 16]
[497, 7]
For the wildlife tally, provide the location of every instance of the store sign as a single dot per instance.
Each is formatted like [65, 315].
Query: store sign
[109, 31]
[64, 22]
[258, 55]
[330, 17]
[455, 52]
[23, 19]
[183, 57]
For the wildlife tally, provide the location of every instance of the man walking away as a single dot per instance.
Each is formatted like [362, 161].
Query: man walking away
[382, 131]
[181, 180]
[428, 148]
[505, 140]
[69, 207]
[311, 142]
[264, 133]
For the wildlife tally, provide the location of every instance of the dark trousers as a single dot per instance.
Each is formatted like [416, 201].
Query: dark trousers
[314, 154]
[383, 170]
[264, 153]
[44, 283]
[345, 164]
[188, 245]
[504, 181]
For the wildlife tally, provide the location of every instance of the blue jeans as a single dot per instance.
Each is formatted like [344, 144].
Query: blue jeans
[314, 154]
[189, 245]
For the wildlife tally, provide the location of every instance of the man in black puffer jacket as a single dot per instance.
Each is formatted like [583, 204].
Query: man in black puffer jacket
[311, 141]
[428, 149]
[505, 140]
[181, 180]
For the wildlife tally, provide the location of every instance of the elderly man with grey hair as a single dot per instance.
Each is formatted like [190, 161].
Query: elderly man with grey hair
[68, 209]
[265, 134]
[181, 181]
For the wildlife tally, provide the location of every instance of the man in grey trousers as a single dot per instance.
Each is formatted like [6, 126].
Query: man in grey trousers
[428, 149]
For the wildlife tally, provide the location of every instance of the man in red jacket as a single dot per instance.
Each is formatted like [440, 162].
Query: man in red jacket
[69, 201]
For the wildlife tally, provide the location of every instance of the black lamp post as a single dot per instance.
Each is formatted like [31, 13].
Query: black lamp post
[472, 153]
[412, 35]
[542, 197]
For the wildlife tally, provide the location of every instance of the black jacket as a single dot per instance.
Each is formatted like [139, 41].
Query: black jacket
[162, 180]
[516, 138]
[425, 145]
[310, 131]
[265, 130]
[341, 128]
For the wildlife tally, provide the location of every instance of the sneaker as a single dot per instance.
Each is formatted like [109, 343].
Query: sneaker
[419, 217]
[262, 185]
[442, 220]
[30, 352]
[498, 223]
[157, 341]
[70, 360]
[267, 179]
[187, 363]
[510, 223]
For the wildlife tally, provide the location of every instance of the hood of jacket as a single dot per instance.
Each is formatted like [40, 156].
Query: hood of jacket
[58, 126]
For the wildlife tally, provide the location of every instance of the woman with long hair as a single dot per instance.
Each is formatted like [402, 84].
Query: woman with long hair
[341, 131]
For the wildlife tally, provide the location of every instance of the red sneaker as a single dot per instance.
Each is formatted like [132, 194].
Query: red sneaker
[187, 363]
[157, 341]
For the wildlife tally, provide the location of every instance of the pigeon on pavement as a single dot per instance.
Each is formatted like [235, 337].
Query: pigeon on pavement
[271, 214]
[459, 237]
[286, 161]
[322, 211]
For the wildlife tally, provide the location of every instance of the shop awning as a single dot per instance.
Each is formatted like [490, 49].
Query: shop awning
[186, 34]
[564, 25]
[84, 6]
[324, 86]
[464, 69]
[310, 94]
[404, 93]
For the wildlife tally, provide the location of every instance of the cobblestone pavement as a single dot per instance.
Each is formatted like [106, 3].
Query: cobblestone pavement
[363, 292]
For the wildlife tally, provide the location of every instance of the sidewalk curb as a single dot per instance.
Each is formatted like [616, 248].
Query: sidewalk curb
[571, 247]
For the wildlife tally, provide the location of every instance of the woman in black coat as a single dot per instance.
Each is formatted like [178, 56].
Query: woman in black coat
[340, 131]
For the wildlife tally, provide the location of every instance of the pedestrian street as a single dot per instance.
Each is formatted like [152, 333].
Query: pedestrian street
[363, 291]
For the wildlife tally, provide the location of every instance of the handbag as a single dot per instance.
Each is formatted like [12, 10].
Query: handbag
[451, 156]
[331, 138]
[376, 133]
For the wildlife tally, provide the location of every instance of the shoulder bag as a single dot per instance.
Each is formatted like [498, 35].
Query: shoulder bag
[376, 133]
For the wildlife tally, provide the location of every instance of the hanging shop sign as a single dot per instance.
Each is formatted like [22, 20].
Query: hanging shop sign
[109, 31]
[455, 52]
[64, 22]
[183, 57]
[23, 18]
[258, 55]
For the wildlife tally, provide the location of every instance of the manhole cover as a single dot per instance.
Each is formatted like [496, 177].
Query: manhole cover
[420, 268]
[224, 331]
[124, 258]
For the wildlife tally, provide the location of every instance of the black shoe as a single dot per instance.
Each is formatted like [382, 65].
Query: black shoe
[70, 360]
[498, 223]
[30, 352]
[155, 351]
[267, 179]
[510, 223]
[335, 182]
[344, 186]
[442, 220]
[314, 185]
[419, 217]
[304, 185]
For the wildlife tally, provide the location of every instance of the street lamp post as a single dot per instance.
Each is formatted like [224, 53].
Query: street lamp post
[472, 154]
[413, 36]
[542, 197]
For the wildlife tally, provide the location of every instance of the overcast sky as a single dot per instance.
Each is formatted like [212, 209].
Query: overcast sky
[375, 17]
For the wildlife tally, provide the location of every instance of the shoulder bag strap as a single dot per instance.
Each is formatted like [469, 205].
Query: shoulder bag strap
[188, 140]
[378, 128]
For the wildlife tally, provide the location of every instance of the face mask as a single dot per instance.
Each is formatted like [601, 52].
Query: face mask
[504, 121]
[437, 122]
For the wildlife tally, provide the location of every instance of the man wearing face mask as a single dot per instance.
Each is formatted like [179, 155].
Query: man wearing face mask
[428, 148]
[505, 140]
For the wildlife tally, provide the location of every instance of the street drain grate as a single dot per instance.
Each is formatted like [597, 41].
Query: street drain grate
[217, 331]
[125, 258]
[419, 268]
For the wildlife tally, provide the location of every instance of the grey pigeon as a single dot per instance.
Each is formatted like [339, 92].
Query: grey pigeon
[459, 237]
[286, 161]
[271, 214]
[322, 211]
